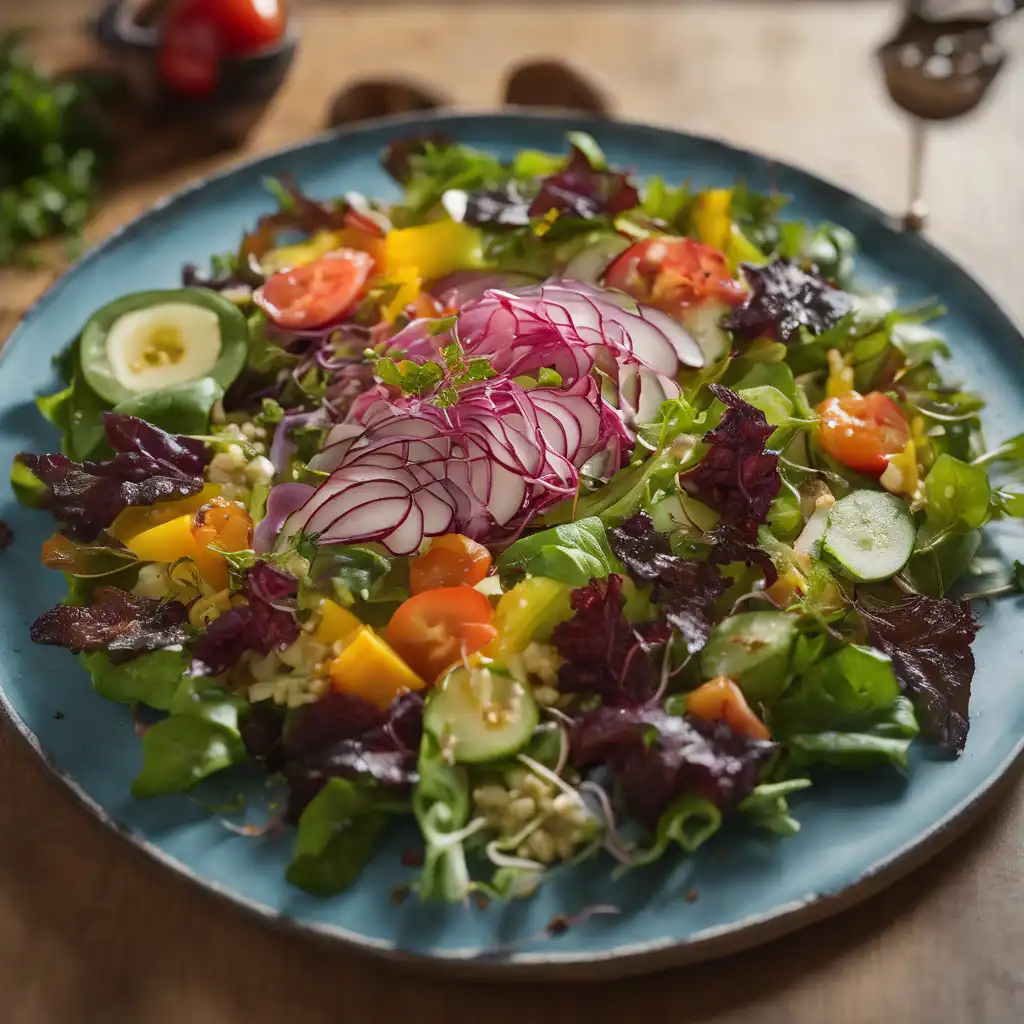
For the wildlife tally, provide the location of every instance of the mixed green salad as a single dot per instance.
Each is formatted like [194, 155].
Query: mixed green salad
[562, 512]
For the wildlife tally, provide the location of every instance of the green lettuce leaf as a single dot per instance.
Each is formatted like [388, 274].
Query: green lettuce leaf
[152, 678]
[574, 554]
[337, 834]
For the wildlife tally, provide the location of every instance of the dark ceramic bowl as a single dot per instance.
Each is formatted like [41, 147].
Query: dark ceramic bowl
[247, 84]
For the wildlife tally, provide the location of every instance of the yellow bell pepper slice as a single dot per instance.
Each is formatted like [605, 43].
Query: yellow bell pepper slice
[409, 282]
[336, 624]
[133, 521]
[301, 253]
[711, 217]
[435, 249]
[367, 667]
[174, 540]
[528, 612]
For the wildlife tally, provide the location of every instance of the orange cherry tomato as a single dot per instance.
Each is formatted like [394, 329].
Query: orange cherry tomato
[221, 524]
[722, 700]
[449, 561]
[671, 273]
[318, 292]
[433, 630]
[862, 431]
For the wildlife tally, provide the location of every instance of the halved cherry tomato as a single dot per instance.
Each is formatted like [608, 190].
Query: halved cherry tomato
[722, 700]
[862, 431]
[671, 273]
[247, 25]
[191, 49]
[433, 630]
[450, 560]
[316, 293]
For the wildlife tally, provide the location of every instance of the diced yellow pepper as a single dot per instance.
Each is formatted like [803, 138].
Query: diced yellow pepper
[435, 249]
[409, 281]
[336, 623]
[739, 249]
[367, 667]
[711, 217]
[840, 375]
[901, 475]
[301, 253]
[133, 521]
[171, 541]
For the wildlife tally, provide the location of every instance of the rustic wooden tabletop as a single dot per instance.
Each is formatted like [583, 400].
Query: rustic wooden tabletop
[91, 932]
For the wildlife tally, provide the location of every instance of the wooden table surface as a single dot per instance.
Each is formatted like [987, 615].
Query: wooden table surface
[91, 932]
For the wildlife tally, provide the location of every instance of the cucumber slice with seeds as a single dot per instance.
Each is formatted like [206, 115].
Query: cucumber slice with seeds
[870, 536]
[481, 714]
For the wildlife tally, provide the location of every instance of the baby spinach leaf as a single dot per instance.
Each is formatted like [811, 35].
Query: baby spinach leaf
[879, 738]
[958, 497]
[338, 831]
[854, 681]
[182, 409]
[152, 678]
[574, 554]
[181, 750]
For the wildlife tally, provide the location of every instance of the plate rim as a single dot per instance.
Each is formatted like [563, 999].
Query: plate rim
[548, 964]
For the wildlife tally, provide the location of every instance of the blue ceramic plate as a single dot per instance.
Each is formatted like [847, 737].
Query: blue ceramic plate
[859, 832]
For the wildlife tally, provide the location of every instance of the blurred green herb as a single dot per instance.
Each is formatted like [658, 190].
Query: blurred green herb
[51, 151]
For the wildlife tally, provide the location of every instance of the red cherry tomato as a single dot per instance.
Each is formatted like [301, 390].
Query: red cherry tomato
[671, 273]
[862, 431]
[190, 53]
[433, 630]
[450, 560]
[318, 292]
[247, 25]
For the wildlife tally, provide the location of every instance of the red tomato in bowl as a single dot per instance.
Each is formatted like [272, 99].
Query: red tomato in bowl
[189, 58]
[671, 273]
[450, 560]
[433, 630]
[248, 25]
[316, 293]
[862, 431]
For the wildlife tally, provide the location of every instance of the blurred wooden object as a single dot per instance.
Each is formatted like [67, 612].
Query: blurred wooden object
[91, 933]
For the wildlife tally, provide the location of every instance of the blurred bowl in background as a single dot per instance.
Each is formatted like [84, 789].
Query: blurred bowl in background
[246, 84]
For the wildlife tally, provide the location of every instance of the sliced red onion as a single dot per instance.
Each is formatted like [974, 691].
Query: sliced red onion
[283, 500]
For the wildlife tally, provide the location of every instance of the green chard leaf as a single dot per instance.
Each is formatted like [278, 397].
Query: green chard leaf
[182, 409]
[337, 834]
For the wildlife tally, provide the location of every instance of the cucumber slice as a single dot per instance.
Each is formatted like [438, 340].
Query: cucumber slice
[753, 649]
[481, 714]
[870, 536]
[153, 340]
[809, 541]
[704, 322]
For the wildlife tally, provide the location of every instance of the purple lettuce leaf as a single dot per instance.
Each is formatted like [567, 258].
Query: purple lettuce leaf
[580, 190]
[117, 621]
[150, 465]
[657, 757]
[265, 623]
[497, 208]
[737, 477]
[929, 641]
[783, 299]
[342, 736]
[605, 655]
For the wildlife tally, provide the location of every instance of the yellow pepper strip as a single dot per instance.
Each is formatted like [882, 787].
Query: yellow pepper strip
[133, 521]
[901, 476]
[301, 253]
[336, 624]
[367, 667]
[840, 375]
[711, 217]
[436, 249]
[409, 282]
